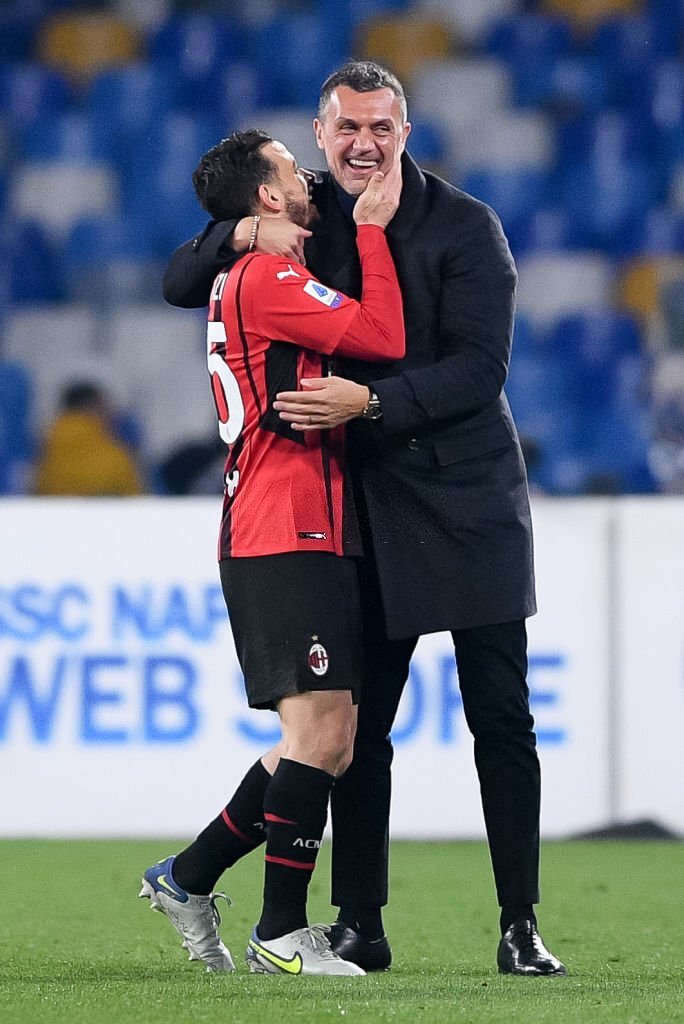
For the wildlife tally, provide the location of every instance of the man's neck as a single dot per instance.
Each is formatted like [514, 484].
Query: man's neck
[346, 201]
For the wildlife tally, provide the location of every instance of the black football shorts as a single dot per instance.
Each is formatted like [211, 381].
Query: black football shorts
[296, 623]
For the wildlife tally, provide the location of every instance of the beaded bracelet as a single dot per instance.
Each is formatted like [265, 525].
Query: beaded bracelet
[254, 232]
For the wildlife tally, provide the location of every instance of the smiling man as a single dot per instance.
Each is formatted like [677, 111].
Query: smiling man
[360, 133]
[440, 481]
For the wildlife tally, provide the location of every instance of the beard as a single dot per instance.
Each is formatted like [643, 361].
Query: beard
[299, 211]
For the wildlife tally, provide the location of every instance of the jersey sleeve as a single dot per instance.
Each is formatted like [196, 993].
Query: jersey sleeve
[289, 304]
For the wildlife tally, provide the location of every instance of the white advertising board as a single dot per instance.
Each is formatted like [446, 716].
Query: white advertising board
[650, 712]
[121, 704]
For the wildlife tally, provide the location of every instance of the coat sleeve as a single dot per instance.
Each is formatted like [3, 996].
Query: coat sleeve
[190, 273]
[475, 323]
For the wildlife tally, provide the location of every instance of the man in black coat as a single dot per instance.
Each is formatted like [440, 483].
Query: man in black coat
[440, 484]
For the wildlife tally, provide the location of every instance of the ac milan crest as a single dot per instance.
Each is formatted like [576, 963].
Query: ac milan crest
[318, 659]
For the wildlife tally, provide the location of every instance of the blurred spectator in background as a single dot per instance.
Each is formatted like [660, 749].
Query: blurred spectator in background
[82, 454]
[194, 468]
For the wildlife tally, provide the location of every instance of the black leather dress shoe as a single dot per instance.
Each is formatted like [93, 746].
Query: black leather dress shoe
[371, 954]
[521, 951]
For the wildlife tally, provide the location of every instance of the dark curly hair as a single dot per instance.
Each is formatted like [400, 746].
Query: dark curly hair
[228, 176]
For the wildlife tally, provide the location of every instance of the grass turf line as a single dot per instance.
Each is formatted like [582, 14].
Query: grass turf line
[77, 947]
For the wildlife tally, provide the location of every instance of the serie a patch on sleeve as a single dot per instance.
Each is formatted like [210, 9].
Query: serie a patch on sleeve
[322, 294]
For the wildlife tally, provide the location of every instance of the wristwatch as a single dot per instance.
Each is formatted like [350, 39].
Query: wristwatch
[373, 410]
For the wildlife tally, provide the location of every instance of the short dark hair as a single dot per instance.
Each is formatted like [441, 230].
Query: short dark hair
[228, 176]
[361, 76]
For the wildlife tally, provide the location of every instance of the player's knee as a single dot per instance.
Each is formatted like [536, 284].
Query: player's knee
[344, 760]
[335, 749]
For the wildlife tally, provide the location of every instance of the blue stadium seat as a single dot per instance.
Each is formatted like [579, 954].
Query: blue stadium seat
[295, 52]
[426, 143]
[525, 35]
[124, 104]
[568, 86]
[68, 135]
[661, 100]
[617, 444]
[525, 339]
[591, 346]
[628, 45]
[17, 445]
[658, 231]
[603, 198]
[552, 431]
[108, 258]
[157, 192]
[29, 92]
[237, 95]
[515, 193]
[668, 16]
[17, 33]
[538, 381]
[548, 229]
[29, 264]
[609, 137]
[530, 44]
[359, 10]
[194, 48]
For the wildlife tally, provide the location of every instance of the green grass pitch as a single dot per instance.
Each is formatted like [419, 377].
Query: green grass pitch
[77, 947]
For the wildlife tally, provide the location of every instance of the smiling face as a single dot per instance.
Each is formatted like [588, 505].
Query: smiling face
[360, 133]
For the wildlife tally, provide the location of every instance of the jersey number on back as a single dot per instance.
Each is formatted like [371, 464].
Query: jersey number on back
[224, 386]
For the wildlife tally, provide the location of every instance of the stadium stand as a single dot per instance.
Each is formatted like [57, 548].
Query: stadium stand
[17, 443]
[567, 117]
[160, 358]
[460, 93]
[404, 41]
[469, 21]
[587, 14]
[552, 285]
[80, 43]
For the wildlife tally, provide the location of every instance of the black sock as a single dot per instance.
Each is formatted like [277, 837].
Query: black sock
[370, 924]
[347, 917]
[514, 912]
[368, 921]
[237, 830]
[295, 810]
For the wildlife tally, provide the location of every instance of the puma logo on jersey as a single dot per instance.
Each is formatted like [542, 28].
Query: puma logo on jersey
[282, 274]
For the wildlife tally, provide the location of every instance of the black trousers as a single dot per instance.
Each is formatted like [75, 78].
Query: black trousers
[492, 670]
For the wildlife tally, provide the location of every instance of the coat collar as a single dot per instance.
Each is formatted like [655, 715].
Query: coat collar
[413, 195]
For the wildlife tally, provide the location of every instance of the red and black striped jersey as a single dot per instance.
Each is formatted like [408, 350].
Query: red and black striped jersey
[271, 323]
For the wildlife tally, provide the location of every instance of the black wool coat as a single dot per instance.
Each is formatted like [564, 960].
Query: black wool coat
[442, 473]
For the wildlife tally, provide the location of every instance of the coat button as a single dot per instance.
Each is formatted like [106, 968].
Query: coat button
[414, 444]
